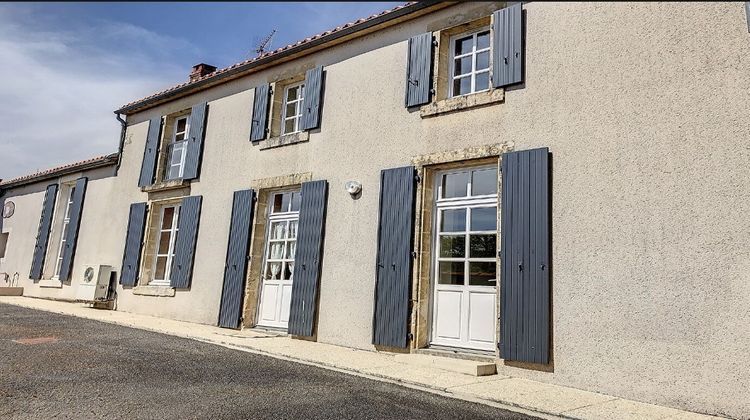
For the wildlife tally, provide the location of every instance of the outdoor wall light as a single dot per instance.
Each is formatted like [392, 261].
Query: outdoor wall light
[353, 187]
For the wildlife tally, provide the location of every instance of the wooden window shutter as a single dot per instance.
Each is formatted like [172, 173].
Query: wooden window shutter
[151, 153]
[42, 236]
[71, 235]
[394, 257]
[525, 253]
[312, 102]
[131, 257]
[507, 46]
[187, 236]
[235, 270]
[419, 70]
[198, 116]
[259, 121]
[307, 264]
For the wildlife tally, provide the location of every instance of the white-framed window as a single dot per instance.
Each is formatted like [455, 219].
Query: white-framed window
[64, 229]
[466, 221]
[470, 63]
[177, 149]
[168, 222]
[281, 242]
[292, 110]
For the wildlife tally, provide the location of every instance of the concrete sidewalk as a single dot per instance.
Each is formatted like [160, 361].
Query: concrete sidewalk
[416, 371]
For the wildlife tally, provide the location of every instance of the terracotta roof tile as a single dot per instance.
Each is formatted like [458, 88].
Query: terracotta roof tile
[268, 54]
[62, 168]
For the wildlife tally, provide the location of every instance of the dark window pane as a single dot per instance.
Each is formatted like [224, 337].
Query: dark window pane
[483, 61]
[291, 110]
[181, 124]
[453, 220]
[482, 82]
[462, 86]
[454, 185]
[483, 246]
[281, 202]
[463, 45]
[453, 246]
[483, 40]
[462, 65]
[451, 272]
[167, 220]
[482, 274]
[483, 219]
[164, 243]
[484, 181]
[291, 94]
[161, 268]
[287, 272]
[289, 126]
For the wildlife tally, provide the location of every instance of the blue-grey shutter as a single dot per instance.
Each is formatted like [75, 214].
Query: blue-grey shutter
[507, 46]
[71, 234]
[307, 259]
[42, 236]
[151, 152]
[394, 259]
[235, 270]
[195, 141]
[259, 121]
[311, 104]
[419, 70]
[131, 257]
[184, 247]
[525, 243]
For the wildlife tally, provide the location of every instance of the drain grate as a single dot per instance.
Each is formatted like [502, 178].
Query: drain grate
[36, 340]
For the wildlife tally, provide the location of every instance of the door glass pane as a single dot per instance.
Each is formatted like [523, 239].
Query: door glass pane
[454, 185]
[278, 229]
[292, 229]
[463, 45]
[163, 243]
[462, 86]
[277, 251]
[166, 222]
[482, 82]
[482, 274]
[484, 181]
[274, 270]
[452, 246]
[161, 268]
[483, 40]
[291, 247]
[453, 220]
[482, 246]
[451, 272]
[483, 218]
[287, 272]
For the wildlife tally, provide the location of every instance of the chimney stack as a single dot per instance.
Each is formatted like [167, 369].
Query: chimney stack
[200, 70]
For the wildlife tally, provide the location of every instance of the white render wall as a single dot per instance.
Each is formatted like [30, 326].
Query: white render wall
[644, 108]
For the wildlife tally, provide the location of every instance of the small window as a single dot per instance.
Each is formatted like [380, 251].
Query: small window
[292, 111]
[3, 243]
[177, 149]
[470, 63]
[165, 245]
[285, 202]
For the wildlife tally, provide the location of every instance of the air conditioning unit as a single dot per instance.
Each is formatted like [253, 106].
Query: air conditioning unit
[95, 283]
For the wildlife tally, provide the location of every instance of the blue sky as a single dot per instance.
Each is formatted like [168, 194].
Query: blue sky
[67, 66]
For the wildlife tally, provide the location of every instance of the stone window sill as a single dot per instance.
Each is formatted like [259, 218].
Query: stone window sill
[163, 291]
[462, 102]
[166, 185]
[285, 140]
[52, 283]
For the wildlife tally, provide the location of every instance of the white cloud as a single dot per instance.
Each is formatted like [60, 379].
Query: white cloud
[58, 87]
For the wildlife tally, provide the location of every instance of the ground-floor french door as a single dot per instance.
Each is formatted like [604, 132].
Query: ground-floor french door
[278, 265]
[464, 304]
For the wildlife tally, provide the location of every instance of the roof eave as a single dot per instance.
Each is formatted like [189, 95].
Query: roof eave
[242, 70]
[108, 160]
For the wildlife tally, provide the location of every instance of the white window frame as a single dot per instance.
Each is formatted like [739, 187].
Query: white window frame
[170, 252]
[70, 189]
[299, 102]
[468, 202]
[176, 146]
[473, 54]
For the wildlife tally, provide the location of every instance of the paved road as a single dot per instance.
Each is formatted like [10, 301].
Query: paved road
[84, 369]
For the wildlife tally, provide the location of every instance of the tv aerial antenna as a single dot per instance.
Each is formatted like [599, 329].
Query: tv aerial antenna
[264, 43]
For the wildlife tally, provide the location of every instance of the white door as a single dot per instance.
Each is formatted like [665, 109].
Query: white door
[465, 259]
[278, 267]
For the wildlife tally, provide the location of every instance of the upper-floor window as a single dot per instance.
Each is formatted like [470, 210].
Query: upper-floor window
[470, 63]
[68, 191]
[177, 149]
[292, 111]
